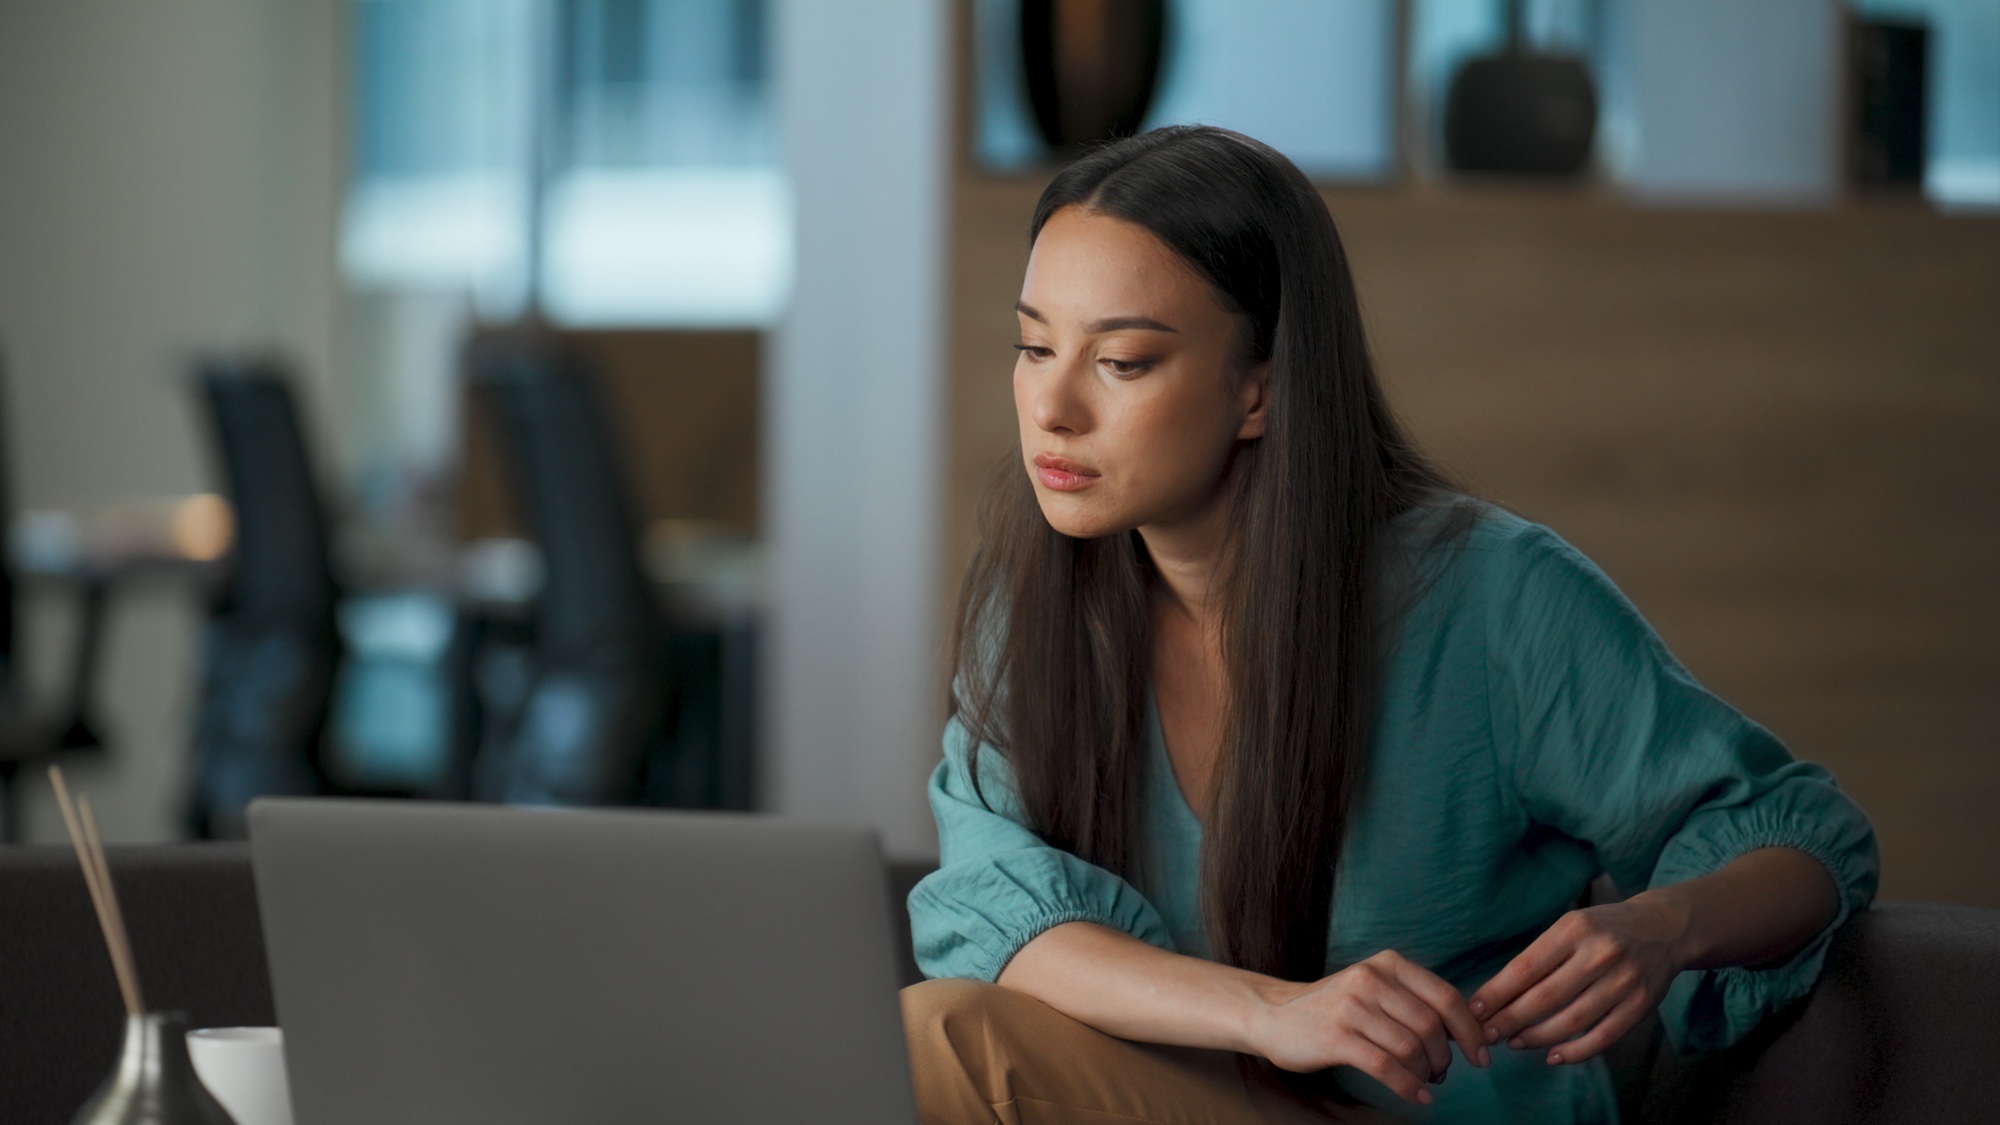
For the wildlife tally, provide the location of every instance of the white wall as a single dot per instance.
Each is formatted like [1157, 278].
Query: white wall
[854, 401]
[168, 183]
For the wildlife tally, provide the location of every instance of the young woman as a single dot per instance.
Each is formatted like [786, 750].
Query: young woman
[1265, 740]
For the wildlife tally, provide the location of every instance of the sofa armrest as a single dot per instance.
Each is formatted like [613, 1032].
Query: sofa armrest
[1901, 1027]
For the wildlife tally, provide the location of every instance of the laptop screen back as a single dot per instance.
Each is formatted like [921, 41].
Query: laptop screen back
[439, 963]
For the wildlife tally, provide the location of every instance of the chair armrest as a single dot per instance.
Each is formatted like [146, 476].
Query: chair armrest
[1901, 1027]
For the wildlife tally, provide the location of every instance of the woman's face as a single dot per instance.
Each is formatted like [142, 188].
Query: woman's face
[1128, 391]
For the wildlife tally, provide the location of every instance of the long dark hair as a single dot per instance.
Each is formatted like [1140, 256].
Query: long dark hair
[1053, 640]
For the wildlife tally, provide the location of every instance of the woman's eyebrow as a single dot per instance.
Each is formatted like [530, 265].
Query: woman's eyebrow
[1108, 324]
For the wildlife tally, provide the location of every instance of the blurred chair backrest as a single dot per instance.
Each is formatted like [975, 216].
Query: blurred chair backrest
[593, 711]
[280, 563]
[564, 469]
[272, 647]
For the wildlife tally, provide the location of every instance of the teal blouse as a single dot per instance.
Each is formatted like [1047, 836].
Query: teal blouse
[1533, 733]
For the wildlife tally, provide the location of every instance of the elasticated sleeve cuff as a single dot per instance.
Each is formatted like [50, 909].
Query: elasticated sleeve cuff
[1001, 885]
[1711, 1009]
[970, 918]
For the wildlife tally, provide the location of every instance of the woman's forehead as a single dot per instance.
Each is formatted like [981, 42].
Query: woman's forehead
[1086, 265]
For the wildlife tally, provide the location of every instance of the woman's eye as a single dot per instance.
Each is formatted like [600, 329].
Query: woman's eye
[1033, 351]
[1125, 368]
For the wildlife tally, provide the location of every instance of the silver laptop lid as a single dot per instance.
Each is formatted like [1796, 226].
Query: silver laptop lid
[450, 963]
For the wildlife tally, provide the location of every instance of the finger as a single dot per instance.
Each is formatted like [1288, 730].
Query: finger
[1384, 1066]
[1582, 1013]
[1528, 967]
[1389, 1033]
[1609, 1030]
[1450, 1006]
[1380, 1065]
[1423, 1022]
[1444, 1004]
[1548, 996]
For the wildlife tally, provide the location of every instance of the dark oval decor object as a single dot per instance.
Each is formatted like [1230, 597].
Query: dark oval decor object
[1091, 66]
[1527, 114]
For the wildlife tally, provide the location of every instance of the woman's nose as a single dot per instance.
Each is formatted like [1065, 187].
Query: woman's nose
[1059, 405]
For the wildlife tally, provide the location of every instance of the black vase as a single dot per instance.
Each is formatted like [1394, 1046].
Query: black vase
[1521, 113]
[1091, 66]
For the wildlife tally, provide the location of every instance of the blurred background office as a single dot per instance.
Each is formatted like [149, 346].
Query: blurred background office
[586, 401]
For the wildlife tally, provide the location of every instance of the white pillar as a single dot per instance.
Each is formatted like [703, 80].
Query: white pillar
[854, 385]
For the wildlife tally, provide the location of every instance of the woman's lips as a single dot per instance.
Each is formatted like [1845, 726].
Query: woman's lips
[1062, 474]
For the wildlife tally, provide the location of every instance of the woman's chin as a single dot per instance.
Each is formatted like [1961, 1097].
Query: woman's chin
[1078, 518]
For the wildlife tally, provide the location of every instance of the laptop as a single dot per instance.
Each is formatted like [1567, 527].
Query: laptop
[456, 963]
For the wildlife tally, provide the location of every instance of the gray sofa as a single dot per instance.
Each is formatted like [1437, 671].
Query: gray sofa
[1901, 1028]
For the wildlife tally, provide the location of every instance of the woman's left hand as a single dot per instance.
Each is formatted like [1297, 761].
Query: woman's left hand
[1586, 981]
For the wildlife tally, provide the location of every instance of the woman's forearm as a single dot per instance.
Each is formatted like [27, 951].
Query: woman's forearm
[1387, 1015]
[1122, 986]
[1762, 907]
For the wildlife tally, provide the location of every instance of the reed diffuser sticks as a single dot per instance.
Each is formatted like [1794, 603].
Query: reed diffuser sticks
[82, 825]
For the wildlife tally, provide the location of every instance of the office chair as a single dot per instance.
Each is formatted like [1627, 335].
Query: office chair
[592, 724]
[271, 647]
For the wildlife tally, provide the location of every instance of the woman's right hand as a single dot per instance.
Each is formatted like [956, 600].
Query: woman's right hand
[1387, 1016]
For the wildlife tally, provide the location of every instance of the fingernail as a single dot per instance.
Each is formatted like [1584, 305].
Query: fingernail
[1424, 1097]
[1493, 1035]
[1516, 1043]
[1485, 1059]
[1555, 1058]
[1479, 1007]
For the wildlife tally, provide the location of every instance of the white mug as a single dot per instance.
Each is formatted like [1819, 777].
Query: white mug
[244, 1067]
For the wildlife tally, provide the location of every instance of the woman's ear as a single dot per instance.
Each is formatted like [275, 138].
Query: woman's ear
[1253, 393]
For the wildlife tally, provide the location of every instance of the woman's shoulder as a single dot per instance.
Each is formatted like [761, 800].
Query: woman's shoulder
[1470, 559]
[1475, 541]
[1515, 581]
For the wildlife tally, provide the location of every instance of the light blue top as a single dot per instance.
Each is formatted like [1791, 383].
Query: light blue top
[1533, 733]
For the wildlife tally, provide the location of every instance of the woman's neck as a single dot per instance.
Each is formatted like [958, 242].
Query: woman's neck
[1189, 684]
[1187, 556]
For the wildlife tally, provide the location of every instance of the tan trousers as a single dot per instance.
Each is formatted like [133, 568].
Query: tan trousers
[980, 1053]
